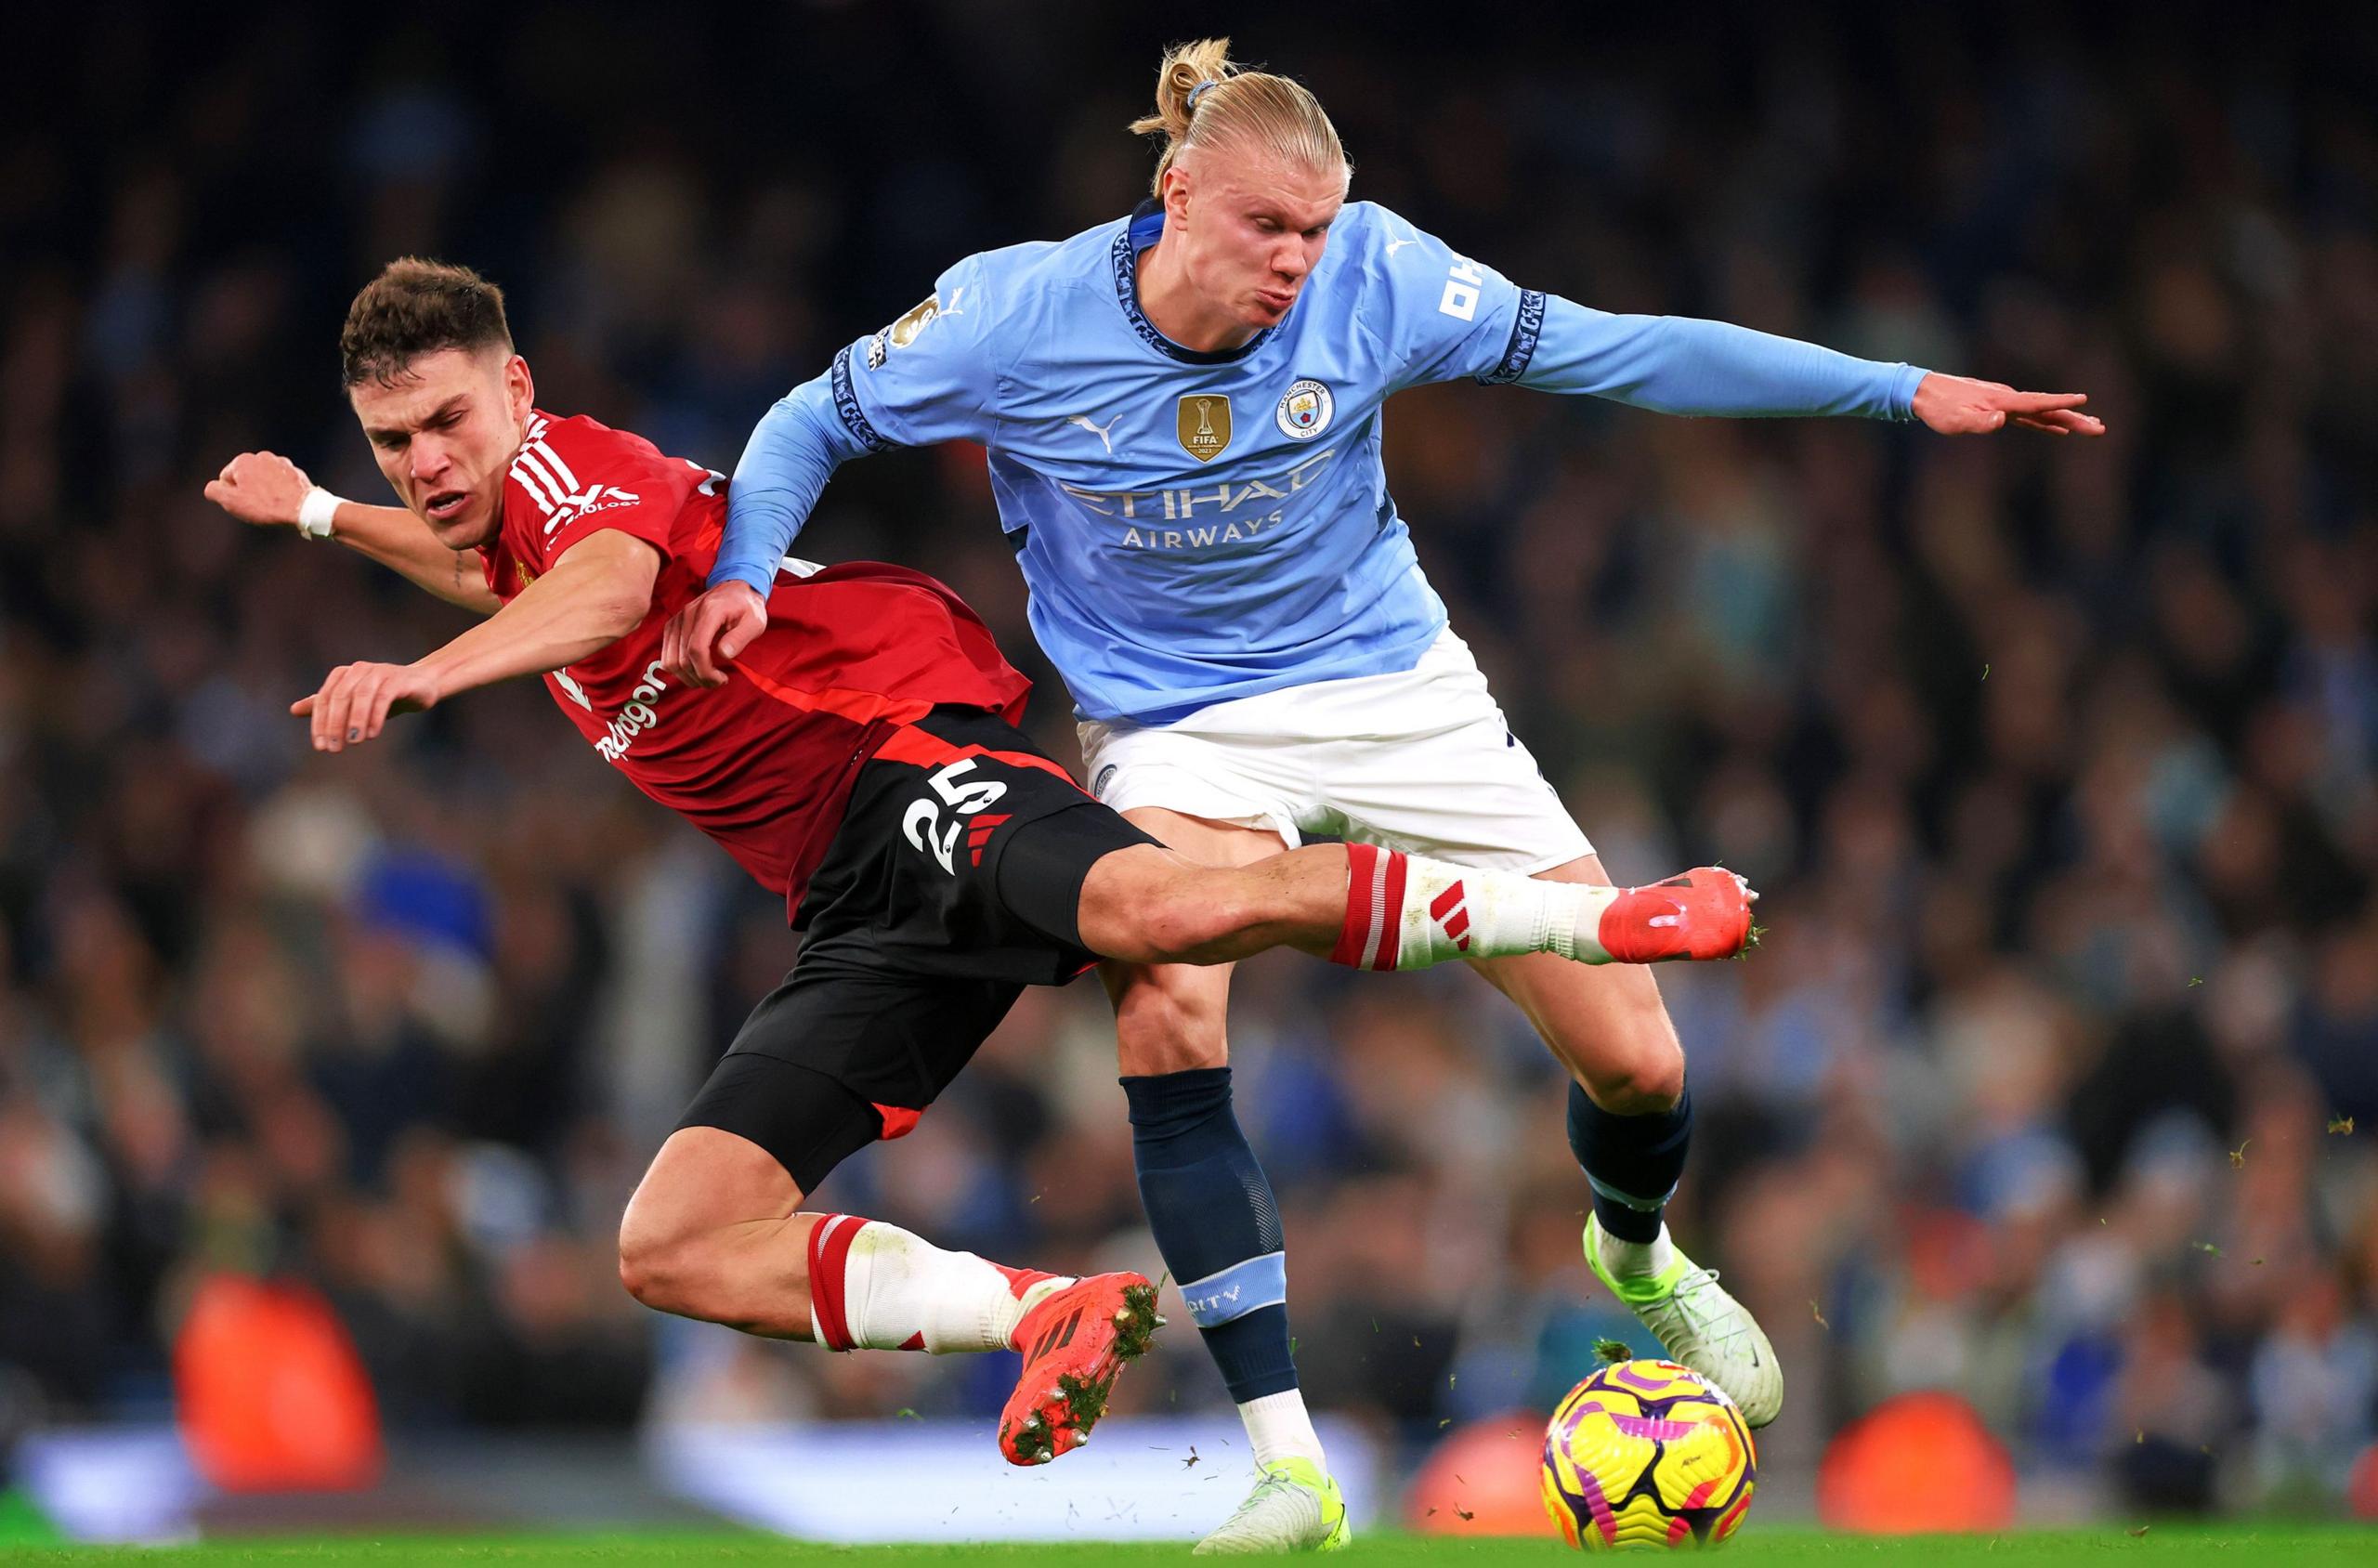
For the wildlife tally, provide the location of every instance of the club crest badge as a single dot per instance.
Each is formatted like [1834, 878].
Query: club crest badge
[1204, 422]
[1304, 411]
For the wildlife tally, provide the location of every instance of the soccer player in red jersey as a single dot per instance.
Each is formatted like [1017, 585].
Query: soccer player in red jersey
[865, 766]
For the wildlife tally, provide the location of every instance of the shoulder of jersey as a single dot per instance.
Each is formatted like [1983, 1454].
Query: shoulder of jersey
[1382, 242]
[567, 466]
[585, 439]
[1022, 282]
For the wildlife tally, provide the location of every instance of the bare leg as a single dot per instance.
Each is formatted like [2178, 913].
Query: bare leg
[1630, 1126]
[714, 1231]
[1149, 905]
[1607, 1025]
[1362, 906]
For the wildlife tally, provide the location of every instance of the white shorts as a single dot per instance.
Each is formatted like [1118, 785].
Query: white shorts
[1422, 761]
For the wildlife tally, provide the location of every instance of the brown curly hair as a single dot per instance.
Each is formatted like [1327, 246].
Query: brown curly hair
[418, 307]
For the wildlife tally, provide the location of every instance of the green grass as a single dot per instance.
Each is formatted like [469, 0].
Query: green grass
[2241, 1543]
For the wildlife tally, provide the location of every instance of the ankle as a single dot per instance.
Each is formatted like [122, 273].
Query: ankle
[1627, 1259]
[1280, 1428]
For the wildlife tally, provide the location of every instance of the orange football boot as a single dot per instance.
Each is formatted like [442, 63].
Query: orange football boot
[1075, 1344]
[1705, 913]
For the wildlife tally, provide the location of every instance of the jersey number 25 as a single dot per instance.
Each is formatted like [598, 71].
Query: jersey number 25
[923, 823]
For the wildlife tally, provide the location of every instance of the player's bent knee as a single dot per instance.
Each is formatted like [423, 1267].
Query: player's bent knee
[1643, 1080]
[685, 1275]
[1168, 1019]
[647, 1270]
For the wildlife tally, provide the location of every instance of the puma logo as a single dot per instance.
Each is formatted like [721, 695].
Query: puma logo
[1098, 430]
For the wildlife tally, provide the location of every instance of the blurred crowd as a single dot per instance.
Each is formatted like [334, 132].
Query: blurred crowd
[2055, 1083]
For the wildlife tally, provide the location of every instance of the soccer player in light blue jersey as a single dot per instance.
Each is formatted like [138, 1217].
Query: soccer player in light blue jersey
[1182, 411]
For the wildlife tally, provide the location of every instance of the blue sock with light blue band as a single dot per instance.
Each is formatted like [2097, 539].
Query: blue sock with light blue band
[1633, 1162]
[1210, 1208]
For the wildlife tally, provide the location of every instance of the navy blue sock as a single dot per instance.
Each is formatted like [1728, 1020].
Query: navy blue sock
[1633, 1162]
[1210, 1208]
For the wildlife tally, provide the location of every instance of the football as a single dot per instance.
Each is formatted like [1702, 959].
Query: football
[1647, 1454]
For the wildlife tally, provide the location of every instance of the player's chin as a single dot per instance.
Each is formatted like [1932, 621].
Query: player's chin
[464, 527]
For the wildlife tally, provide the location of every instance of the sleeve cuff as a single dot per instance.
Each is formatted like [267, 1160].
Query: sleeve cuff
[1905, 379]
[753, 577]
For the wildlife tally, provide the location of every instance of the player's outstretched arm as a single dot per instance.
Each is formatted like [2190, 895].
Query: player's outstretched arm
[598, 592]
[1374, 909]
[1683, 365]
[267, 491]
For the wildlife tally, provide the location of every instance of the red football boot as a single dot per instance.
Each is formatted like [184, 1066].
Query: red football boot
[1075, 1344]
[1703, 914]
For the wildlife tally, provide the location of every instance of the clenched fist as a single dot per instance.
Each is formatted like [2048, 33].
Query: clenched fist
[261, 487]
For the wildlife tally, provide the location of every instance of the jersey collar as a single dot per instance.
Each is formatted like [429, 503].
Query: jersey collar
[1146, 226]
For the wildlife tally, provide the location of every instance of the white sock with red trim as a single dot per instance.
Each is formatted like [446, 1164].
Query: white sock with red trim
[878, 1287]
[1406, 911]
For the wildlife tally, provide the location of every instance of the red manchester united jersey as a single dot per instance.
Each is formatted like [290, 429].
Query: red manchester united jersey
[765, 763]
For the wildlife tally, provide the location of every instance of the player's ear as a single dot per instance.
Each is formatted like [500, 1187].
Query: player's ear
[519, 389]
[1176, 192]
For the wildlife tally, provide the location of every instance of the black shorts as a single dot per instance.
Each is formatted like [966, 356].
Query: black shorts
[954, 881]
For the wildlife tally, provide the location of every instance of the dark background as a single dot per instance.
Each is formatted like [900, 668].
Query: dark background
[2055, 759]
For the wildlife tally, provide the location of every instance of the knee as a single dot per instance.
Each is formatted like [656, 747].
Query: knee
[1169, 1020]
[1644, 1078]
[659, 1270]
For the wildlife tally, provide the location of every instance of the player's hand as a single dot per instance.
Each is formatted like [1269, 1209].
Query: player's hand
[702, 639]
[261, 487]
[357, 699]
[1957, 405]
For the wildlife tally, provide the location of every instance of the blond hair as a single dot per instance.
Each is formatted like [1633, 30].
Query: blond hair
[1203, 98]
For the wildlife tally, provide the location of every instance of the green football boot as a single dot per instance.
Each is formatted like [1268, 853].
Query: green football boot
[1294, 1508]
[1698, 1324]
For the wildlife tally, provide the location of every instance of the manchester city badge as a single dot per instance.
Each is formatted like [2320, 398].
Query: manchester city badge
[1304, 411]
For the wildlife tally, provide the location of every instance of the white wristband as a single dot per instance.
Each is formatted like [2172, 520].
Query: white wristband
[315, 512]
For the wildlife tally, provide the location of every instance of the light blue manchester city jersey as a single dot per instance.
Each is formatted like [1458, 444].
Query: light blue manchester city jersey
[1197, 527]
